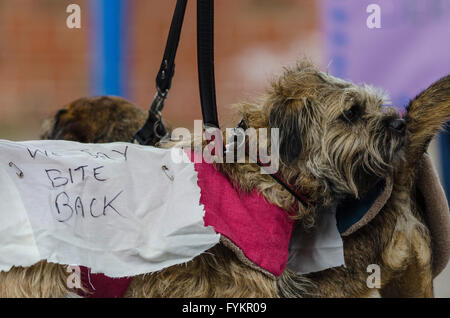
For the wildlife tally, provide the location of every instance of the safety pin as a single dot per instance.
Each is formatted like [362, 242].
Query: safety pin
[20, 173]
[165, 169]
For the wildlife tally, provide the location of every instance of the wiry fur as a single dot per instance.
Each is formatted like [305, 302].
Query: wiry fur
[42, 280]
[325, 156]
[216, 273]
[322, 154]
[95, 120]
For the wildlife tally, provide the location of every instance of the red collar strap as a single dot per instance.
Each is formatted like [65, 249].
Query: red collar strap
[287, 186]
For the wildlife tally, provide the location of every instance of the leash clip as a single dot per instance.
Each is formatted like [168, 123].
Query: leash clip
[237, 137]
[153, 130]
[158, 101]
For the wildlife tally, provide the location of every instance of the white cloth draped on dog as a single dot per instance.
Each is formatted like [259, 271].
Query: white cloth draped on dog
[120, 209]
[110, 207]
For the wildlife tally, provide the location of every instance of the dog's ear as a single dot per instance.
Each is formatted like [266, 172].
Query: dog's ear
[426, 115]
[51, 125]
[285, 117]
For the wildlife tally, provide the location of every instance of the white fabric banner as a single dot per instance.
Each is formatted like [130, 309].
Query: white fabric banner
[318, 248]
[120, 209]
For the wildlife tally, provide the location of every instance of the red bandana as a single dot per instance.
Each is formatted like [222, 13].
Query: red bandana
[256, 227]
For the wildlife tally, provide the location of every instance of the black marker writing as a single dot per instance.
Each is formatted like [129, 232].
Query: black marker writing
[33, 154]
[79, 206]
[90, 208]
[70, 174]
[102, 155]
[109, 204]
[124, 154]
[59, 178]
[82, 171]
[62, 203]
[54, 179]
[97, 173]
[65, 210]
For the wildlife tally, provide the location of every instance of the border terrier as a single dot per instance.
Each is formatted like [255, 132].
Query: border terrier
[337, 141]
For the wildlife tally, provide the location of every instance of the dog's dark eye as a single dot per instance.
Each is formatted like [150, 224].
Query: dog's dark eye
[352, 114]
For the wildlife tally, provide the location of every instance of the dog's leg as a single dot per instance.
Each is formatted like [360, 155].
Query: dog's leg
[426, 114]
[416, 279]
[43, 280]
[414, 282]
[408, 254]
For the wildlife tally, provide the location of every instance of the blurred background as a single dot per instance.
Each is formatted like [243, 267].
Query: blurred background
[118, 49]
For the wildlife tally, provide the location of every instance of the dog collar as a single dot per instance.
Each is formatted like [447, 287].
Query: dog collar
[353, 214]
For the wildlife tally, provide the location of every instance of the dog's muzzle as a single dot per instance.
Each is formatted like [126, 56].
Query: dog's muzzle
[398, 125]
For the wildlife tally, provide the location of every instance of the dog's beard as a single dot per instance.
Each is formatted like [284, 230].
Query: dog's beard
[353, 164]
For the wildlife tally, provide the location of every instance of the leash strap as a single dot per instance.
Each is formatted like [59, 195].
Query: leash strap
[153, 129]
[205, 51]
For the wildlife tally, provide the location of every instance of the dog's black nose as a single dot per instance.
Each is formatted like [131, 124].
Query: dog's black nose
[398, 125]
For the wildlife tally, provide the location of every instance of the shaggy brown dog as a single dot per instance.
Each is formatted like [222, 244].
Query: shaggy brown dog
[337, 141]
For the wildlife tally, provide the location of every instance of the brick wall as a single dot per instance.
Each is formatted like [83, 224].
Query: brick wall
[44, 65]
[253, 38]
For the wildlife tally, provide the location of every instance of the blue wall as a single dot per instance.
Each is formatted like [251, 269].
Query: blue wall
[109, 42]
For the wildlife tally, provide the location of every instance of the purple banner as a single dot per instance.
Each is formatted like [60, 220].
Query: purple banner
[407, 53]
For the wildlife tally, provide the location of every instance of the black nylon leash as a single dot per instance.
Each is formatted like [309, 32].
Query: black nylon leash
[205, 59]
[153, 130]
